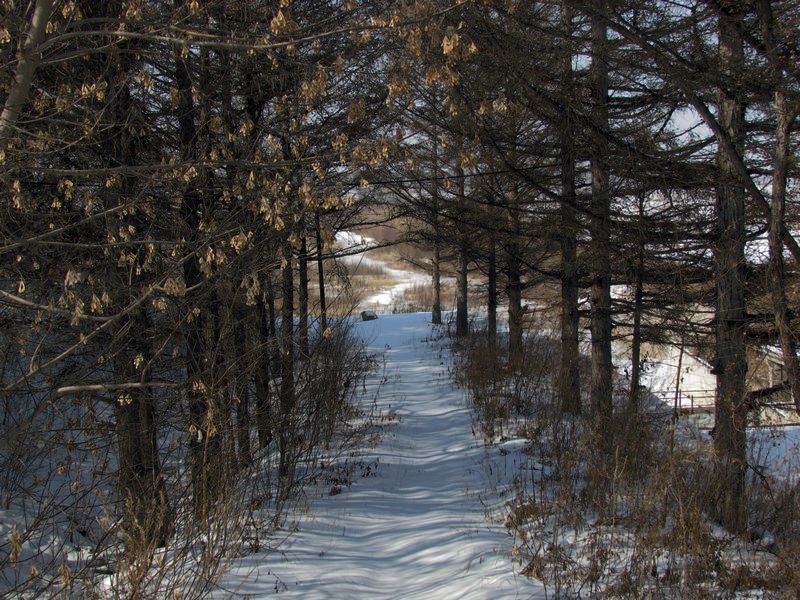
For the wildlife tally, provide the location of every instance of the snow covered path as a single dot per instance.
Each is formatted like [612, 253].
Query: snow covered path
[415, 530]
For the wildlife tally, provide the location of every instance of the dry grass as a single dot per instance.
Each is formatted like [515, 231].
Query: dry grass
[630, 522]
[367, 270]
[419, 298]
[370, 284]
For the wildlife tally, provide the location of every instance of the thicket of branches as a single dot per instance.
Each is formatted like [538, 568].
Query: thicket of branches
[171, 170]
[566, 150]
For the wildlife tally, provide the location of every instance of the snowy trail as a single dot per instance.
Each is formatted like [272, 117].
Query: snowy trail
[415, 530]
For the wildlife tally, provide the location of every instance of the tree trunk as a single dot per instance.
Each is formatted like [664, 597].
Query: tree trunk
[323, 309]
[29, 59]
[491, 308]
[777, 269]
[636, 342]
[514, 278]
[204, 445]
[462, 290]
[731, 362]
[241, 388]
[147, 517]
[274, 349]
[263, 409]
[220, 344]
[602, 369]
[287, 392]
[302, 299]
[462, 275]
[513, 272]
[436, 311]
[569, 373]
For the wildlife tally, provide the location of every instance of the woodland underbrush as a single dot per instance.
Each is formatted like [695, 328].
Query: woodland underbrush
[622, 512]
[63, 528]
[419, 297]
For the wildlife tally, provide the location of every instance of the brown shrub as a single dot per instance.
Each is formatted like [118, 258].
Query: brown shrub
[631, 521]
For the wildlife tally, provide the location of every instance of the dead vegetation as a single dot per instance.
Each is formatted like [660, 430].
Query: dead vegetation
[418, 297]
[632, 521]
[69, 536]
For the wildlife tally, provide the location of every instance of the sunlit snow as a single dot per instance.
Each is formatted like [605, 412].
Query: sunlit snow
[418, 528]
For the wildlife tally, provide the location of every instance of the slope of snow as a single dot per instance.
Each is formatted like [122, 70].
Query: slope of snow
[697, 382]
[415, 527]
[386, 297]
[350, 241]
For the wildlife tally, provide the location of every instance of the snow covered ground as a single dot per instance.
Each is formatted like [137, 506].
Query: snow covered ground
[420, 519]
[385, 297]
[416, 526]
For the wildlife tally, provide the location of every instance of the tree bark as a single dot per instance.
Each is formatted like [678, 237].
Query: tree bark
[436, 310]
[323, 308]
[274, 349]
[302, 296]
[29, 59]
[731, 364]
[263, 408]
[569, 374]
[241, 388]
[287, 391]
[514, 274]
[514, 279]
[147, 516]
[636, 342]
[491, 308]
[462, 290]
[602, 369]
[205, 444]
[777, 268]
[462, 274]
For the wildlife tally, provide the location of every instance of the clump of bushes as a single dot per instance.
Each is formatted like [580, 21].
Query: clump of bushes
[632, 519]
[66, 528]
